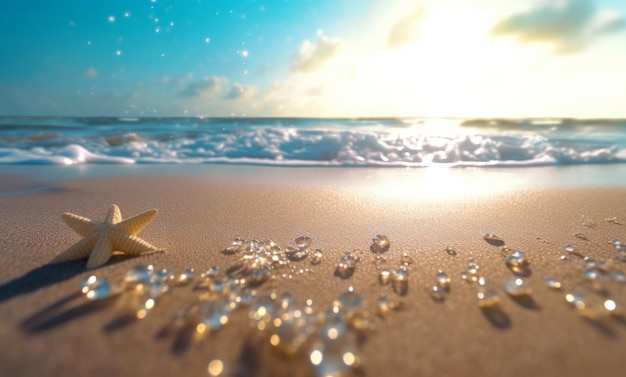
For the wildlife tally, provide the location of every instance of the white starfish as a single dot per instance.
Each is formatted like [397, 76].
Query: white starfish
[101, 239]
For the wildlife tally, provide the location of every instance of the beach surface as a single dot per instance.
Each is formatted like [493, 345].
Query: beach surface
[49, 328]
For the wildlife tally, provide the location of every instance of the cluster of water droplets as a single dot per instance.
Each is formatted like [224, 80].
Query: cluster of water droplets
[290, 326]
[141, 286]
[589, 293]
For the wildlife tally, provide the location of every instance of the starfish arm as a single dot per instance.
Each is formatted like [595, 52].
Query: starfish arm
[79, 224]
[114, 215]
[128, 244]
[79, 250]
[136, 223]
[101, 253]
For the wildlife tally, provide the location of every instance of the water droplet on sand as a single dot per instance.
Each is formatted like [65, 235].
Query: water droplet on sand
[346, 265]
[486, 296]
[618, 276]
[303, 242]
[506, 251]
[96, 288]
[569, 248]
[517, 288]
[290, 327]
[296, 254]
[213, 314]
[443, 280]
[610, 305]
[406, 259]
[552, 283]
[380, 244]
[139, 274]
[517, 262]
[576, 300]
[400, 280]
[334, 352]
[437, 293]
[216, 368]
[384, 277]
[493, 239]
[450, 250]
[185, 277]
[383, 305]
[316, 257]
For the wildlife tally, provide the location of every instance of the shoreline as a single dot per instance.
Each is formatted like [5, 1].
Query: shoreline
[202, 209]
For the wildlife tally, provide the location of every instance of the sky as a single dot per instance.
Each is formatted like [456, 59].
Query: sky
[314, 58]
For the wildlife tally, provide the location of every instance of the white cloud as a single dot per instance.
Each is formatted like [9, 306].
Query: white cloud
[241, 92]
[311, 56]
[404, 31]
[91, 73]
[208, 87]
[569, 25]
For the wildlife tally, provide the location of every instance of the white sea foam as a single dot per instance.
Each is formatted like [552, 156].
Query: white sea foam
[309, 142]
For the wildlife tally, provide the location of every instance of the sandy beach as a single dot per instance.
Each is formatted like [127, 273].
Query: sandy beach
[49, 328]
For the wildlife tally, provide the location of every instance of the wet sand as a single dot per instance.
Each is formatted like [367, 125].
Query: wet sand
[48, 328]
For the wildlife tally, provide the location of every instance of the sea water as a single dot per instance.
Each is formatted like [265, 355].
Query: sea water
[385, 142]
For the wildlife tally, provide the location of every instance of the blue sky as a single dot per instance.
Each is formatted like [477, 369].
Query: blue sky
[347, 58]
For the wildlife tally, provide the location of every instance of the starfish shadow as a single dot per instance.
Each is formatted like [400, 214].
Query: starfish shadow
[40, 277]
[47, 275]
[56, 314]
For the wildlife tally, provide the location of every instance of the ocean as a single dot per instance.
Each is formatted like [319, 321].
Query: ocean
[384, 142]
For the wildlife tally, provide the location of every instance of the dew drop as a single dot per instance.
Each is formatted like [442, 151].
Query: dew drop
[259, 274]
[316, 257]
[346, 265]
[96, 288]
[303, 242]
[406, 259]
[591, 273]
[506, 251]
[139, 274]
[213, 314]
[437, 293]
[492, 238]
[400, 281]
[384, 277]
[552, 283]
[383, 305]
[487, 298]
[262, 311]
[517, 288]
[350, 301]
[472, 267]
[334, 352]
[290, 328]
[210, 273]
[185, 277]
[517, 262]
[618, 276]
[215, 368]
[610, 305]
[443, 280]
[296, 254]
[576, 300]
[450, 250]
[380, 244]
[569, 248]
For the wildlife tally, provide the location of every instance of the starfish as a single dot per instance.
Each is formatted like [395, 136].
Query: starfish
[101, 239]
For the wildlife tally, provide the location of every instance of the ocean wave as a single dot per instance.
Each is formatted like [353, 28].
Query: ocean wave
[310, 143]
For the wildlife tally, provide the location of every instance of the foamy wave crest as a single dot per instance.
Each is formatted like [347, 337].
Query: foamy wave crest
[315, 146]
[69, 155]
